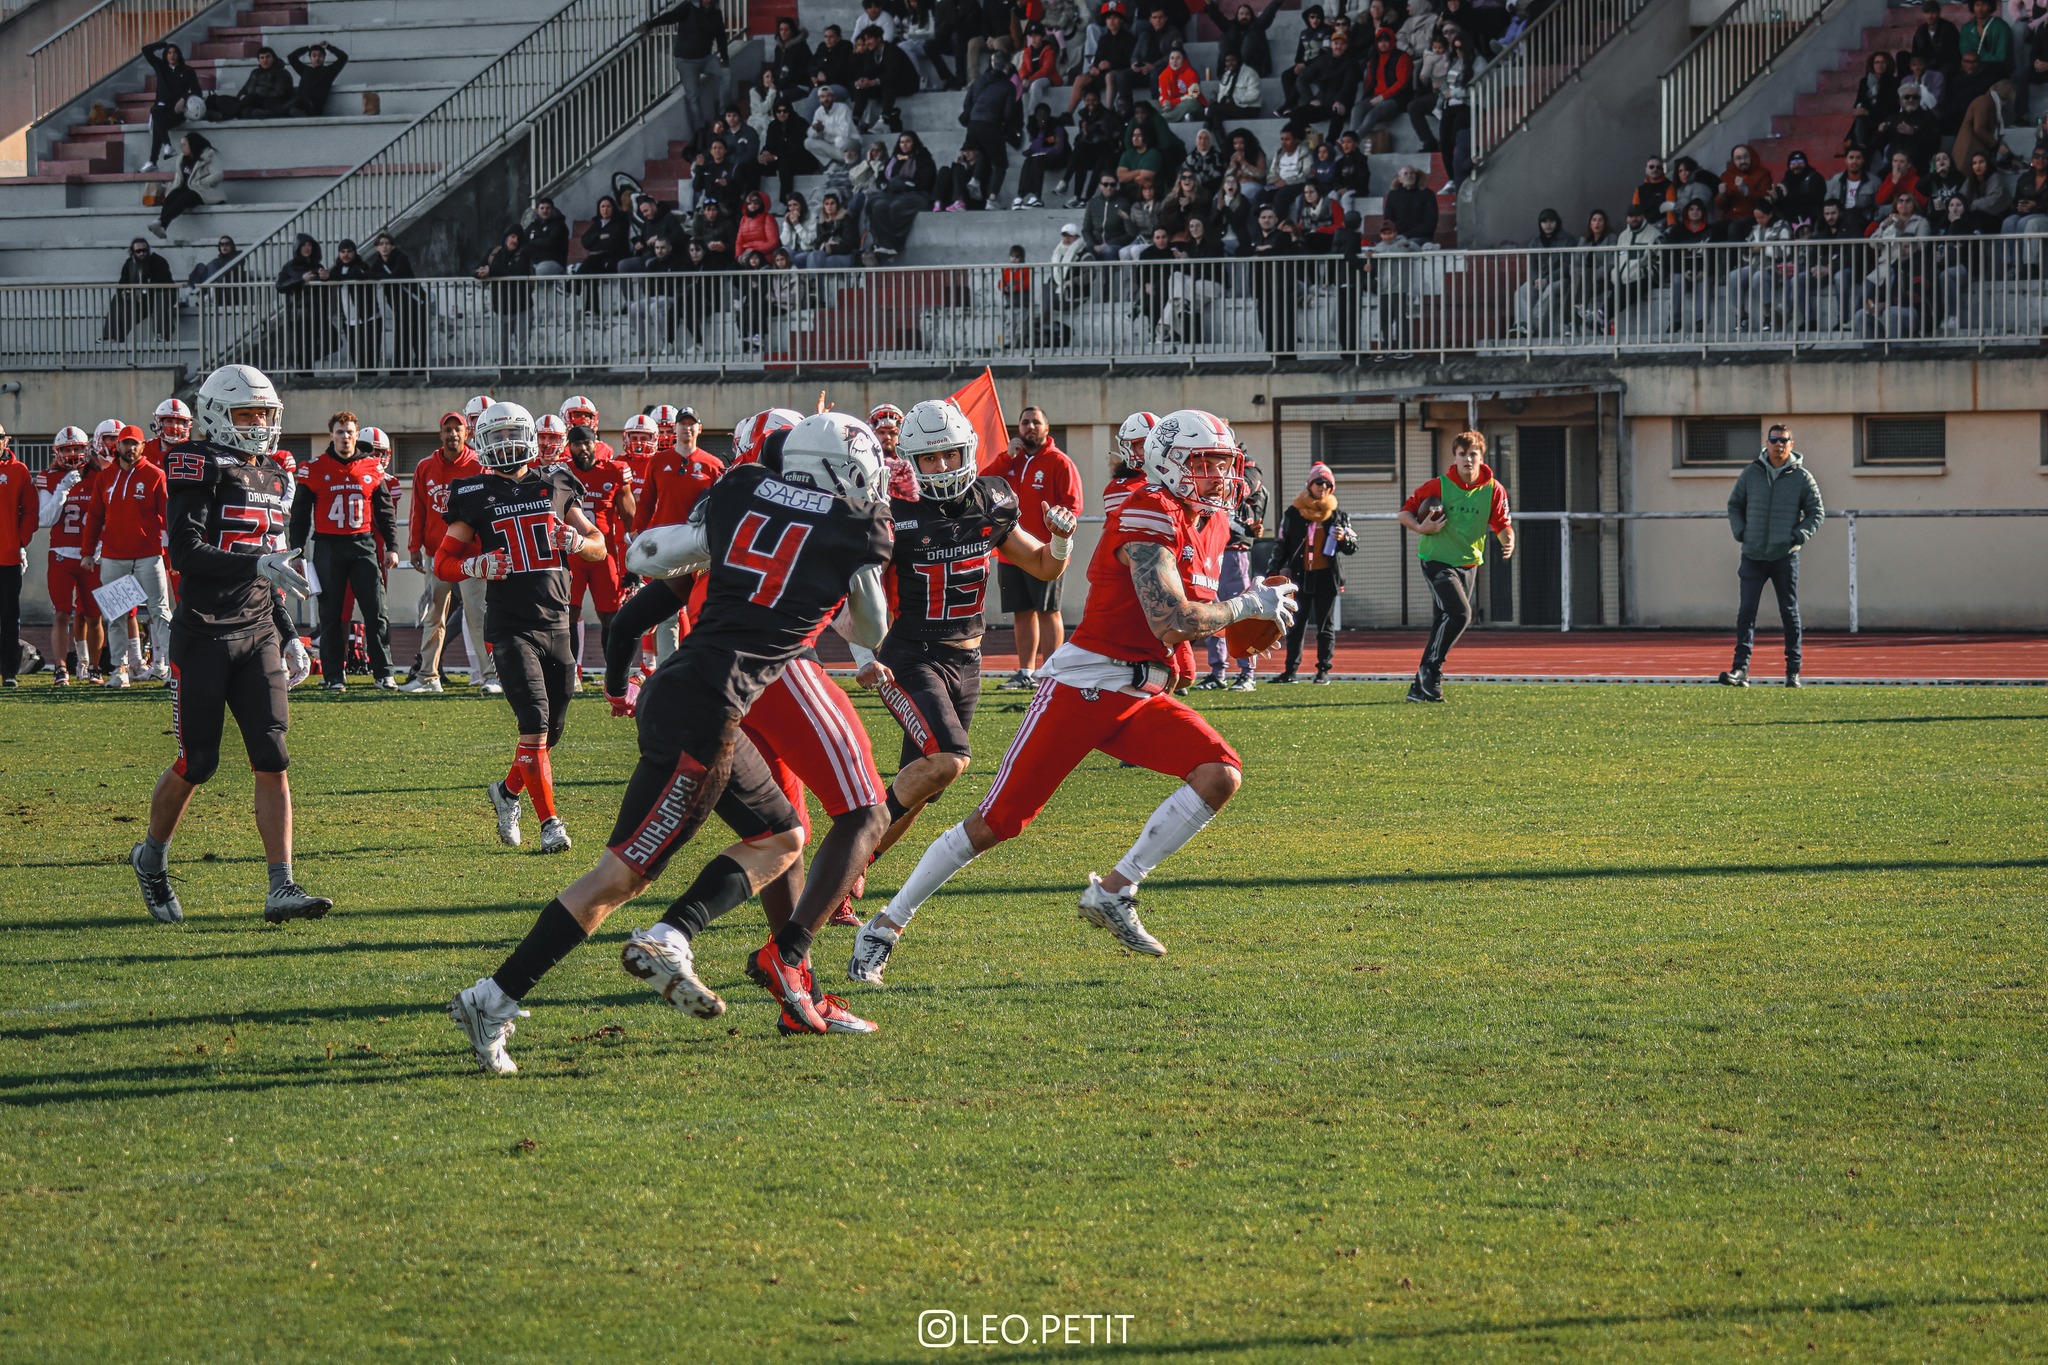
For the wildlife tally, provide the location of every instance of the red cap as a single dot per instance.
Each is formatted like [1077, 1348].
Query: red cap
[448, 417]
[130, 433]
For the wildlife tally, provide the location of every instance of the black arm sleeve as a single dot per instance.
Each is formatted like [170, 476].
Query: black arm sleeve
[190, 554]
[302, 517]
[384, 515]
[656, 601]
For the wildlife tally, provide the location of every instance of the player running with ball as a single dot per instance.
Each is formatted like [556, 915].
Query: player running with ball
[1151, 586]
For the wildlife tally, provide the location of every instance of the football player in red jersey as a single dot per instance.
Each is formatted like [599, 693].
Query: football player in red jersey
[553, 434]
[64, 495]
[1151, 585]
[342, 511]
[172, 425]
[667, 418]
[608, 502]
[124, 537]
[431, 481]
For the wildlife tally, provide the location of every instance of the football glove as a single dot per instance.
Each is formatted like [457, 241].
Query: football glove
[298, 663]
[492, 564]
[1267, 602]
[622, 707]
[278, 571]
[568, 539]
[1060, 521]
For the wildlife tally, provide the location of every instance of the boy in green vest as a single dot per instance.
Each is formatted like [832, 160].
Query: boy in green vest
[1453, 546]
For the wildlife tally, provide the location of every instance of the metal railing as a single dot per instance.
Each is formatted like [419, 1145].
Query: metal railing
[1739, 48]
[98, 43]
[1539, 63]
[606, 103]
[90, 327]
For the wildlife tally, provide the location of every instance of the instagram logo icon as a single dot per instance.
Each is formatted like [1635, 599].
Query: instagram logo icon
[937, 1328]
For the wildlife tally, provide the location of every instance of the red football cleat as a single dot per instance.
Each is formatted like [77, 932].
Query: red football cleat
[840, 1019]
[844, 913]
[790, 985]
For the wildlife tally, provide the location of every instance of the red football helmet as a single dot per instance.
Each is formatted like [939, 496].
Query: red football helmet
[753, 433]
[68, 447]
[172, 423]
[639, 435]
[553, 434]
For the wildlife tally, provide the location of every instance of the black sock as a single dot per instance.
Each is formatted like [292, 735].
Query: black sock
[897, 810]
[553, 937]
[793, 943]
[720, 887]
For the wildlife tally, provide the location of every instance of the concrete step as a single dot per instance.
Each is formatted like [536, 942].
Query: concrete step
[98, 257]
[350, 16]
[29, 196]
[422, 38]
[227, 74]
[274, 143]
[393, 98]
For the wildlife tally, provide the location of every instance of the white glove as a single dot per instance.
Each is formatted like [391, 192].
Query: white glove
[492, 564]
[298, 663]
[1060, 522]
[1267, 602]
[277, 570]
[568, 539]
[67, 483]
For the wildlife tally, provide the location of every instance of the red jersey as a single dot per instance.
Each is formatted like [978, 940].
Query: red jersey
[674, 484]
[637, 467]
[68, 533]
[1114, 624]
[602, 484]
[431, 481]
[153, 451]
[128, 514]
[345, 493]
[1046, 479]
[1121, 485]
[19, 507]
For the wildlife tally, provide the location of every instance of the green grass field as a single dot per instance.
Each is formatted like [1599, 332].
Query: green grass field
[1587, 1022]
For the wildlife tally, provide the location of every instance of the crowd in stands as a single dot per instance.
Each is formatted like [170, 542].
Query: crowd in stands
[269, 91]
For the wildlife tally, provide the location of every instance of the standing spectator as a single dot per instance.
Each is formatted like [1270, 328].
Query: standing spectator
[547, 239]
[19, 508]
[176, 84]
[989, 108]
[407, 304]
[1046, 152]
[356, 308]
[1831, 267]
[1243, 36]
[1238, 93]
[1274, 280]
[266, 92]
[1746, 183]
[504, 269]
[436, 474]
[1247, 524]
[1454, 101]
[316, 79]
[1452, 547]
[1979, 130]
[341, 513]
[700, 42]
[201, 179]
[2031, 69]
[1314, 532]
[309, 316]
[1774, 509]
[124, 534]
[1042, 476]
[133, 303]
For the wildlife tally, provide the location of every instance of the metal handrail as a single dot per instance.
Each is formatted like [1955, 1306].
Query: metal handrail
[96, 44]
[1549, 54]
[574, 127]
[1735, 51]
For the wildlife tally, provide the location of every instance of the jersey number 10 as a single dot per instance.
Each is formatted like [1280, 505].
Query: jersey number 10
[529, 541]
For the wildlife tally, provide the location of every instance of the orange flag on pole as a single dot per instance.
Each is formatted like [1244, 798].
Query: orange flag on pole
[978, 400]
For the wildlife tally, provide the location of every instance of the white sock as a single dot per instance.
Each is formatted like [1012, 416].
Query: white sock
[579, 646]
[135, 654]
[1180, 817]
[949, 853]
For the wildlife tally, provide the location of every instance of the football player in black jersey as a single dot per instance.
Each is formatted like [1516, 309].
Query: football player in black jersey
[517, 527]
[783, 547]
[233, 648]
[928, 672]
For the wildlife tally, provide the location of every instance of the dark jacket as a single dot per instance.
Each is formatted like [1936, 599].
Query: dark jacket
[548, 241]
[1774, 513]
[291, 277]
[316, 82]
[1291, 548]
[151, 269]
[839, 236]
[990, 99]
[792, 63]
[700, 30]
[1414, 212]
[1248, 41]
[509, 263]
[605, 244]
[1331, 79]
[272, 87]
[174, 84]
[641, 232]
[1115, 49]
[834, 64]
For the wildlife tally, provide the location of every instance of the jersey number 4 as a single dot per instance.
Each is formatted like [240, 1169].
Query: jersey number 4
[954, 591]
[772, 564]
[529, 540]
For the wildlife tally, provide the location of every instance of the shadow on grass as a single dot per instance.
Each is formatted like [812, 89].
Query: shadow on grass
[1881, 720]
[315, 949]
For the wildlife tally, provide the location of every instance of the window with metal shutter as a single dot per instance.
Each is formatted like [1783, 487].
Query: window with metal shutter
[1905, 440]
[1721, 440]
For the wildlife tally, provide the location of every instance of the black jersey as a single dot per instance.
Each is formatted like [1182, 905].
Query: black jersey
[781, 557]
[941, 563]
[225, 510]
[520, 516]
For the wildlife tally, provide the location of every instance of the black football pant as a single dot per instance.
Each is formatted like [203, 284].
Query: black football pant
[1450, 611]
[10, 620]
[657, 600]
[538, 669]
[350, 562]
[211, 678]
[1315, 604]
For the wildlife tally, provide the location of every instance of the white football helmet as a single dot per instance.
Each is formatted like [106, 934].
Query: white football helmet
[240, 388]
[474, 410]
[936, 425]
[376, 442]
[753, 432]
[836, 454]
[103, 437]
[505, 437]
[67, 448]
[665, 416]
[639, 434]
[552, 433]
[579, 409]
[1129, 445]
[1176, 441]
[172, 422]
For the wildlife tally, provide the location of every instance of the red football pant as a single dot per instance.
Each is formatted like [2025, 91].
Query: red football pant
[1062, 727]
[71, 587]
[600, 577]
[806, 728]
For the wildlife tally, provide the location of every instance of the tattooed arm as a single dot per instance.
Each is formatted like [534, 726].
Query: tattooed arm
[1167, 610]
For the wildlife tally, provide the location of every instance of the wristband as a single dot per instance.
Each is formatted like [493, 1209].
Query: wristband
[862, 655]
[1059, 546]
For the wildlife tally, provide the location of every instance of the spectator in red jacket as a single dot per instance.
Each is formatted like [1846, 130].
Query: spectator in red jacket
[431, 481]
[1903, 180]
[1746, 183]
[1042, 476]
[18, 511]
[124, 534]
[1389, 84]
[1180, 90]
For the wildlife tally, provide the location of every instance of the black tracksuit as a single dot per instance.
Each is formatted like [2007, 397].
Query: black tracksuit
[315, 82]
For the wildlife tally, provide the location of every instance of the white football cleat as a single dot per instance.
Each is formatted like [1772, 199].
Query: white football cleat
[488, 1017]
[554, 835]
[660, 956]
[157, 896]
[493, 688]
[871, 949]
[507, 806]
[1117, 911]
[422, 685]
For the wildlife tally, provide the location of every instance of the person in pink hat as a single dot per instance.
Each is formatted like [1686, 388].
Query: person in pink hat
[1314, 533]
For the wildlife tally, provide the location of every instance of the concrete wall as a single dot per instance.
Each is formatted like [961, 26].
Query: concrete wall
[1585, 148]
[19, 32]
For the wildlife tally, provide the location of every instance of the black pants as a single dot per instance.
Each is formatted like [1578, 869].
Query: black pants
[1031, 180]
[366, 342]
[162, 118]
[350, 562]
[537, 668]
[1782, 575]
[956, 185]
[243, 674]
[179, 200]
[1315, 605]
[1450, 610]
[10, 620]
[987, 139]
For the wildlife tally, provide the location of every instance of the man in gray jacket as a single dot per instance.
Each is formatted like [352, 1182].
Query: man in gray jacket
[1774, 510]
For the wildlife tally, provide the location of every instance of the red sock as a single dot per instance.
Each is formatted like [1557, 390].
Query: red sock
[515, 776]
[540, 779]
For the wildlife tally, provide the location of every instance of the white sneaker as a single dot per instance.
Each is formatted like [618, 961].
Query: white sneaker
[387, 683]
[1117, 911]
[1244, 683]
[507, 806]
[149, 168]
[159, 673]
[660, 956]
[871, 949]
[493, 688]
[488, 1017]
[118, 678]
[554, 835]
[422, 685]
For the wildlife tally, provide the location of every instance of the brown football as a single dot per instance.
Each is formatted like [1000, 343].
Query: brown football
[1253, 635]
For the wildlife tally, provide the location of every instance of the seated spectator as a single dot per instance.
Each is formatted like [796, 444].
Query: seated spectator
[966, 184]
[1797, 198]
[1539, 299]
[266, 92]
[711, 228]
[783, 153]
[1746, 183]
[200, 179]
[875, 17]
[1655, 196]
[867, 175]
[176, 85]
[1238, 93]
[1108, 72]
[503, 269]
[796, 231]
[1987, 195]
[1957, 258]
[831, 69]
[1141, 218]
[1855, 189]
[831, 131]
[132, 304]
[1757, 282]
[1893, 303]
[607, 240]
[715, 175]
[1693, 183]
[224, 254]
[1835, 267]
[1172, 151]
[1183, 203]
[1098, 142]
[1038, 70]
[1877, 103]
[1045, 152]
[1206, 162]
[1103, 228]
[1936, 41]
[651, 219]
[1315, 221]
[1410, 206]
[1156, 41]
[1329, 85]
[1065, 285]
[2032, 183]
[758, 230]
[547, 239]
[1248, 163]
[838, 239]
[1941, 184]
[1290, 171]
[1933, 84]
[761, 101]
[1315, 36]
[1232, 213]
[654, 311]
[1913, 130]
[881, 76]
[1180, 90]
[789, 56]
[1432, 70]
[1902, 180]
[919, 37]
[1389, 84]
[1632, 275]
[908, 185]
[1141, 164]
[2029, 218]
[1686, 267]
[316, 78]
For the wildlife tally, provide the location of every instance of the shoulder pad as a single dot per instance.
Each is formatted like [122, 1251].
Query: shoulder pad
[998, 490]
[190, 462]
